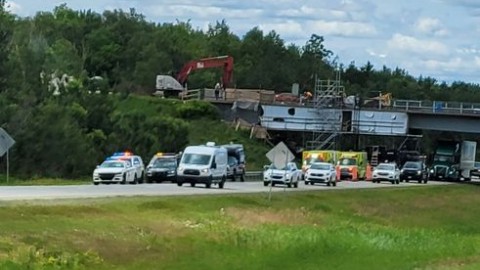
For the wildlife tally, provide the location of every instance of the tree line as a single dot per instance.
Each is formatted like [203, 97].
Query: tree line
[80, 52]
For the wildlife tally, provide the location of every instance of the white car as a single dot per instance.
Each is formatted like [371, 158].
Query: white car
[287, 175]
[321, 172]
[386, 172]
[114, 171]
[136, 161]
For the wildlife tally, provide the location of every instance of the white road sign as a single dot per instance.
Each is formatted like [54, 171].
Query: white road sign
[280, 155]
[5, 142]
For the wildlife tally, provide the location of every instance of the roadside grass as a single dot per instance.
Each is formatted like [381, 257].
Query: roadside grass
[41, 181]
[430, 227]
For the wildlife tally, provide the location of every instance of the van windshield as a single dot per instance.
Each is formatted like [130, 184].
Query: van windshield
[196, 159]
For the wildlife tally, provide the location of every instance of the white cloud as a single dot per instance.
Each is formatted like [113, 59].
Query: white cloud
[338, 28]
[413, 45]
[290, 29]
[211, 13]
[13, 7]
[431, 26]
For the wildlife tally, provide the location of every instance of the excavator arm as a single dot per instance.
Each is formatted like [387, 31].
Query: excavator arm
[221, 61]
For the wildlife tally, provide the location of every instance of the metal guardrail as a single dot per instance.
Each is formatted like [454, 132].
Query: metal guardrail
[436, 106]
[253, 176]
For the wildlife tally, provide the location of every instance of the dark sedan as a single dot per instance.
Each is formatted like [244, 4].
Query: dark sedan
[415, 171]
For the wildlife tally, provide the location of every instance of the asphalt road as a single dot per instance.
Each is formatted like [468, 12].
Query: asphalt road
[16, 193]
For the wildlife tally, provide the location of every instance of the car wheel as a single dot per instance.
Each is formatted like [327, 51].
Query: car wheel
[233, 176]
[96, 183]
[265, 184]
[192, 184]
[141, 179]
[134, 182]
[306, 183]
[295, 185]
[222, 183]
[328, 184]
[209, 183]
[289, 185]
[312, 183]
[334, 183]
[124, 180]
[179, 183]
[242, 177]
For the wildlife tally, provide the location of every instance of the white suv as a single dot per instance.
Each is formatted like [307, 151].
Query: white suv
[286, 175]
[136, 162]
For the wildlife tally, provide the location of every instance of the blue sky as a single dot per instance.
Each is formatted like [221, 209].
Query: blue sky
[436, 38]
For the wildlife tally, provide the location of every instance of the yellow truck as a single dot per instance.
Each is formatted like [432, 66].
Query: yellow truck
[353, 166]
[309, 157]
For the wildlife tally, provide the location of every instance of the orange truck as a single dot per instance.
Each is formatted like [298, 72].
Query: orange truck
[353, 166]
[309, 157]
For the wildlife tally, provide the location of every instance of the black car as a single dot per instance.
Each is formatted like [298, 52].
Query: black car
[415, 171]
[162, 168]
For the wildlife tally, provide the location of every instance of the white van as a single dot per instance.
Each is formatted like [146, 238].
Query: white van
[205, 164]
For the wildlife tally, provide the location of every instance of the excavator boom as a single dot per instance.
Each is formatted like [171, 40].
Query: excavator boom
[221, 61]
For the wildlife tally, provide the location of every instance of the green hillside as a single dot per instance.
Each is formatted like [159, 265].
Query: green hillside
[203, 127]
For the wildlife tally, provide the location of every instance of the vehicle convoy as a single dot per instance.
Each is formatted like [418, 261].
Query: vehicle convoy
[321, 172]
[453, 160]
[205, 164]
[386, 172]
[135, 161]
[414, 171]
[172, 87]
[288, 175]
[353, 166]
[162, 167]
[114, 171]
[236, 161]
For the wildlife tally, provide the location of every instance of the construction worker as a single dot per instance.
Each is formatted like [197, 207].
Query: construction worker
[217, 90]
[306, 97]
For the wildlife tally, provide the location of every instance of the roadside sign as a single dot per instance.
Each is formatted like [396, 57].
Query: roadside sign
[5, 142]
[280, 155]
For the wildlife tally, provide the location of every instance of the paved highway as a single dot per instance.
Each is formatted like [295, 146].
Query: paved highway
[16, 193]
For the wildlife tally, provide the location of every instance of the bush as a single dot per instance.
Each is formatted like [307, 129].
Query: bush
[198, 110]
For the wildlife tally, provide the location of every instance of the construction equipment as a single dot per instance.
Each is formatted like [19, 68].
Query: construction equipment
[380, 101]
[173, 89]
[221, 61]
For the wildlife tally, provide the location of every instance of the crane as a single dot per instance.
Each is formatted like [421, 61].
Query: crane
[220, 61]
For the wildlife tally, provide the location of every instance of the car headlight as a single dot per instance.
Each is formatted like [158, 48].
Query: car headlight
[204, 170]
[287, 175]
[180, 169]
[402, 171]
[172, 171]
[432, 171]
[419, 172]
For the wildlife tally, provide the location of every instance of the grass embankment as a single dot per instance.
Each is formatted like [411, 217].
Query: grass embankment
[431, 227]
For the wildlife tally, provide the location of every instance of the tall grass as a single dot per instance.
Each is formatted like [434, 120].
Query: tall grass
[410, 228]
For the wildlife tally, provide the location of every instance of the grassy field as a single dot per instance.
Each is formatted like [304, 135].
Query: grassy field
[429, 227]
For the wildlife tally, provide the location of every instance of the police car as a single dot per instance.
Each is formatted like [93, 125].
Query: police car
[136, 161]
[114, 171]
[162, 167]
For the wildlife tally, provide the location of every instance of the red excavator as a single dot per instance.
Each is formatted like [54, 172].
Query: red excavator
[221, 61]
[172, 88]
